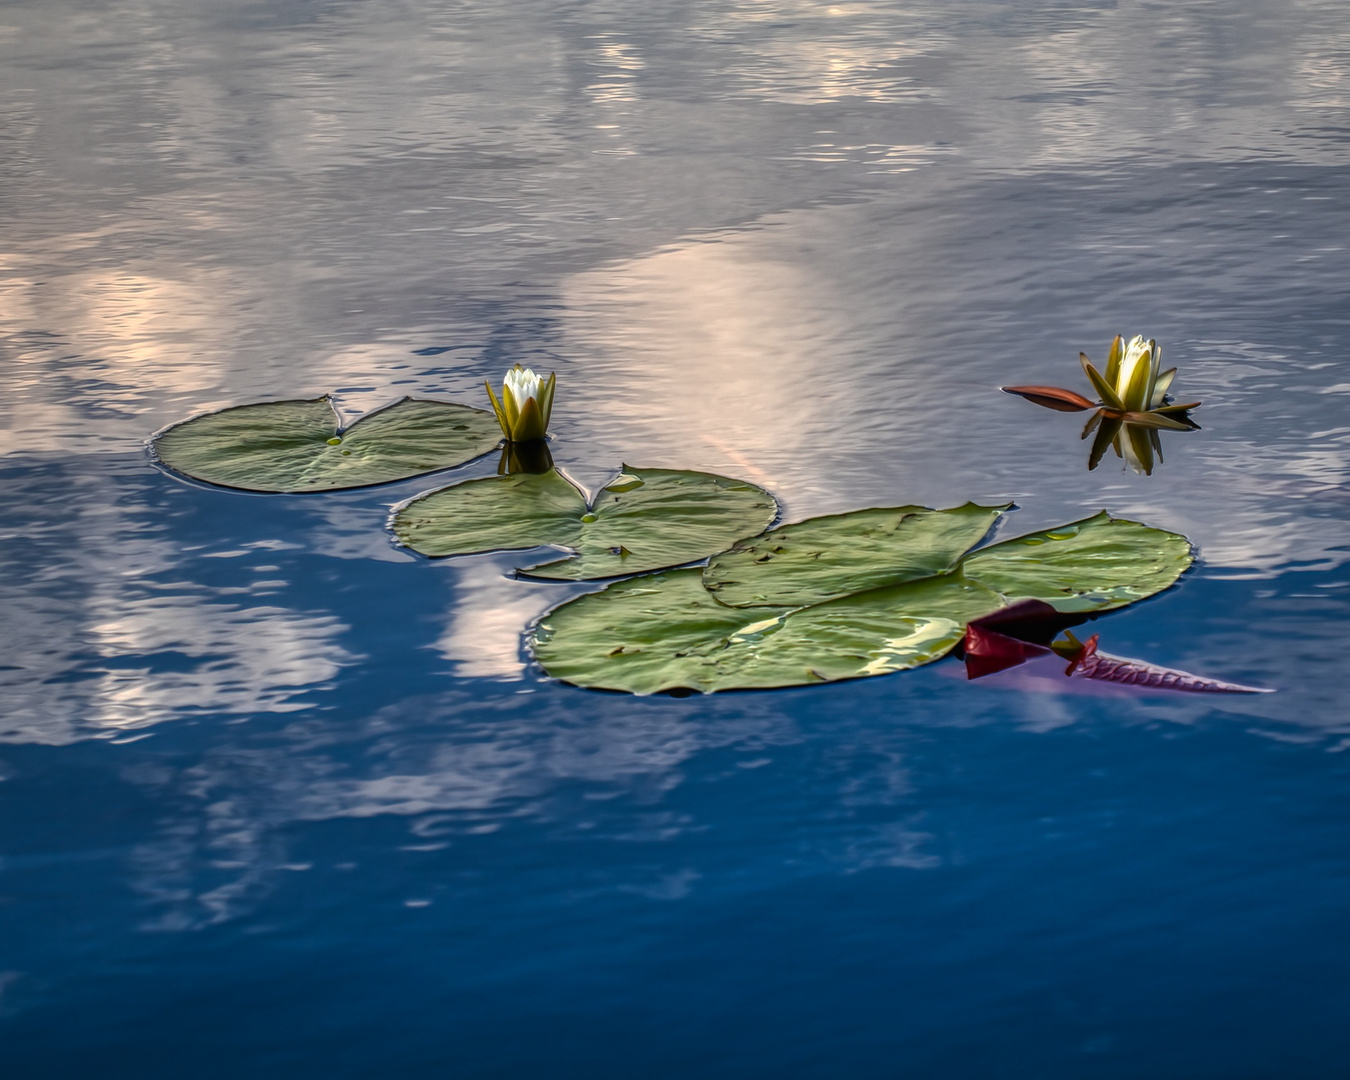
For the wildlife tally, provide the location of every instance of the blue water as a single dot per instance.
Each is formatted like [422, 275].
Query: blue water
[278, 798]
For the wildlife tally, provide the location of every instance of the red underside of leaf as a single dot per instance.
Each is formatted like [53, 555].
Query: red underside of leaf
[1029, 620]
[1052, 397]
[988, 651]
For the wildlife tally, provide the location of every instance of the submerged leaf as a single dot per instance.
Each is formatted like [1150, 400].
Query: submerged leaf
[646, 519]
[1088, 663]
[289, 446]
[1098, 563]
[666, 632]
[827, 557]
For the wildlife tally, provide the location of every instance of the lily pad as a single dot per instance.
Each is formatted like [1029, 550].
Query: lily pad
[666, 632]
[300, 446]
[1095, 564]
[644, 520]
[827, 557]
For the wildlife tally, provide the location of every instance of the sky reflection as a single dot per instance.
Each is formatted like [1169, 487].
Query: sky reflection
[804, 247]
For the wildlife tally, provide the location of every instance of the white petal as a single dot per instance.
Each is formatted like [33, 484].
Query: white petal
[524, 384]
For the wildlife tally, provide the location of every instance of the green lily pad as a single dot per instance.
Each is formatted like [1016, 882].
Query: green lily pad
[828, 557]
[1095, 564]
[666, 632]
[300, 446]
[644, 520]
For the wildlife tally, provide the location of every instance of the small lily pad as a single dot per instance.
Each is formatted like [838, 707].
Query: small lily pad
[644, 520]
[1095, 564]
[666, 632]
[827, 557]
[290, 446]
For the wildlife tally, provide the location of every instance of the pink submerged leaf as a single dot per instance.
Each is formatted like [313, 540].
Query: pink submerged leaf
[1026, 631]
[1088, 663]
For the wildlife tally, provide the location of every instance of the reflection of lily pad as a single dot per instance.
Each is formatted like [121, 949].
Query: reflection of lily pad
[1089, 565]
[298, 445]
[642, 521]
[827, 557]
[666, 632]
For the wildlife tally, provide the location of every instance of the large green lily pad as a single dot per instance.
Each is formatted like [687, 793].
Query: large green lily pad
[828, 557]
[667, 632]
[299, 445]
[1095, 564]
[644, 520]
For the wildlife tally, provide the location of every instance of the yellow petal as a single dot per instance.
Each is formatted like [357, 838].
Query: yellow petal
[497, 408]
[1160, 387]
[511, 408]
[1113, 361]
[1154, 353]
[530, 425]
[1135, 393]
[1108, 395]
[1155, 420]
[546, 398]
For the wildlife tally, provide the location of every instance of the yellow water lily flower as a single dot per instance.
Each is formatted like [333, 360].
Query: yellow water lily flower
[526, 404]
[1134, 386]
[1133, 408]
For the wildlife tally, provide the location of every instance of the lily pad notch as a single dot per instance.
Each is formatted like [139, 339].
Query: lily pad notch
[302, 445]
[643, 520]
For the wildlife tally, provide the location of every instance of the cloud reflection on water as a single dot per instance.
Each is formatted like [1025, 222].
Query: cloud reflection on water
[106, 633]
[796, 243]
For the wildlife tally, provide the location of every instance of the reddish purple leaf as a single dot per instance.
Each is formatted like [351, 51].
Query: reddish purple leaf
[1052, 397]
[1029, 620]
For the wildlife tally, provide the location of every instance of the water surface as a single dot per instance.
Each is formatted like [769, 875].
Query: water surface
[280, 797]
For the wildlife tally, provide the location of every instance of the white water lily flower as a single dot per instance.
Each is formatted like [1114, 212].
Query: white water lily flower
[1137, 369]
[526, 404]
[523, 383]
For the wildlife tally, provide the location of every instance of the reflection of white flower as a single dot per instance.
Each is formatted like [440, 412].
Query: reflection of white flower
[526, 404]
[1137, 446]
